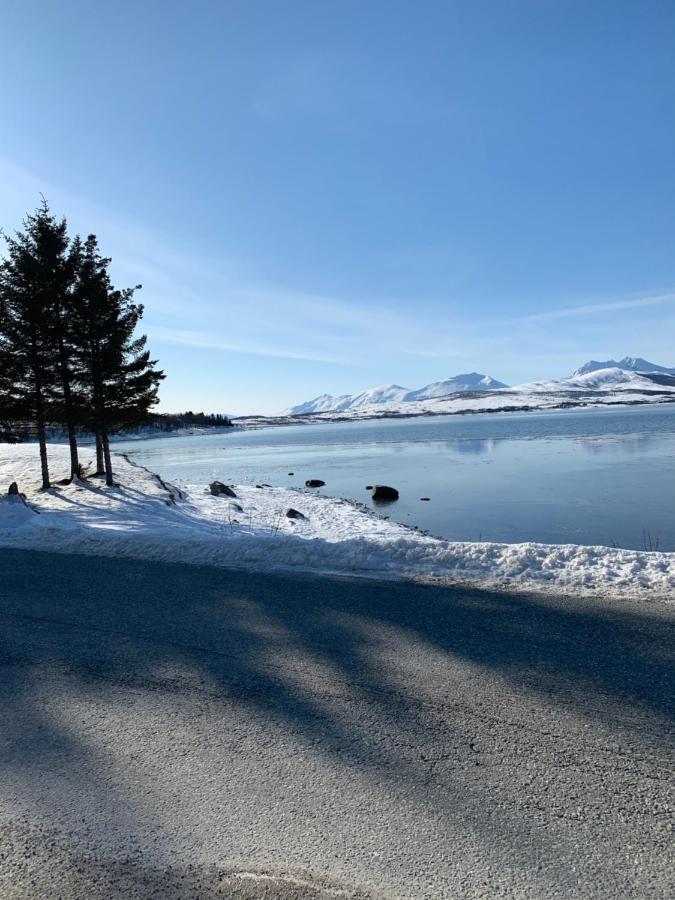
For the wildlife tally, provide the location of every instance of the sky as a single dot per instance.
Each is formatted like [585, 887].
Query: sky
[320, 197]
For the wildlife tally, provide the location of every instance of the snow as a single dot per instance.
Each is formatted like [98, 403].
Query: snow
[472, 381]
[143, 517]
[598, 379]
[384, 394]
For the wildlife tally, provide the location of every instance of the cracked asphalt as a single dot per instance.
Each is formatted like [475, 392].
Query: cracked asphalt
[180, 732]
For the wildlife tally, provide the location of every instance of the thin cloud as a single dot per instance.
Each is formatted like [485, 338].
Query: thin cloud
[189, 338]
[592, 309]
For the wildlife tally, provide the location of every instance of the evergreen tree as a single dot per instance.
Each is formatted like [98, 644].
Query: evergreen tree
[119, 378]
[32, 280]
[12, 405]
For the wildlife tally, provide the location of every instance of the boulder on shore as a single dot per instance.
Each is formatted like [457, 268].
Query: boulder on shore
[294, 514]
[217, 488]
[314, 482]
[382, 492]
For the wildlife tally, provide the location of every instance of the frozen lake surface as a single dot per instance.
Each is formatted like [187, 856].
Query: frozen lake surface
[601, 476]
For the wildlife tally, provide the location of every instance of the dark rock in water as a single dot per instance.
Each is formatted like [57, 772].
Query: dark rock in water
[266, 485]
[369, 487]
[217, 488]
[314, 482]
[425, 498]
[13, 489]
[382, 492]
[294, 514]
[291, 473]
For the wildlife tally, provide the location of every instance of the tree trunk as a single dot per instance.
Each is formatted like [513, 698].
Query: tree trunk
[42, 436]
[40, 416]
[43, 455]
[100, 464]
[74, 460]
[108, 462]
[68, 409]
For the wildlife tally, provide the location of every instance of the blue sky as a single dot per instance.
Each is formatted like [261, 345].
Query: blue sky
[322, 197]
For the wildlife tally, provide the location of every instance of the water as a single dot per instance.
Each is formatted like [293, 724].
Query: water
[602, 476]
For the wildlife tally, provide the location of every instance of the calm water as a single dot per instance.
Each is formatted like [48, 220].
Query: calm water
[581, 476]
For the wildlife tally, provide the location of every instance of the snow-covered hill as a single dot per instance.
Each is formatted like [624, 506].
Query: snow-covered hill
[613, 378]
[392, 394]
[627, 364]
[388, 393]
[472, 381]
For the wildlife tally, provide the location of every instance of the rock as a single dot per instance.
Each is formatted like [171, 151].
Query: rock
[236, 507]
[217, 488]
[314, 482]
[369, 487]
[294, 514]
[13, 489]
[382, 492]
[291, 473]
[425, 498]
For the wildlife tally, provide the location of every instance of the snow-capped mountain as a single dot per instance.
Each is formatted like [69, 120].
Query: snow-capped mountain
[392, 394]
[627, 364]
[607, 379]
[388, 393]
[472, 381]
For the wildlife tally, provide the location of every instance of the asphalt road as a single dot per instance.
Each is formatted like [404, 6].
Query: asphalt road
[181, 732]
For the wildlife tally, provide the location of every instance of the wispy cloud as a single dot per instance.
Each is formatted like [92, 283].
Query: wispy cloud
[189, 338]
[593, 309]
[232, 311]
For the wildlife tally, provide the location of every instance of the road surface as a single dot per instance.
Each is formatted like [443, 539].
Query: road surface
[180, 732]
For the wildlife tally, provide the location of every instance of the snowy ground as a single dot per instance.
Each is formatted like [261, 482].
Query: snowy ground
[144, 518]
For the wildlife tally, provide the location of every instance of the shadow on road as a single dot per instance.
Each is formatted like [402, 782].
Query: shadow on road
[416, 688]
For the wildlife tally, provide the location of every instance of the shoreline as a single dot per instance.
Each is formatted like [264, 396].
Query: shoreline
[254, 422]
[145, 517]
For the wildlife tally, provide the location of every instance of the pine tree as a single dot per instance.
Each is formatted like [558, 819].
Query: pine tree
[32, 280]
[118, 376]
[12, 405]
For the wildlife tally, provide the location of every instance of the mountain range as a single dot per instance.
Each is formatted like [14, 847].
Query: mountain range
[394, 393]
[629, 372]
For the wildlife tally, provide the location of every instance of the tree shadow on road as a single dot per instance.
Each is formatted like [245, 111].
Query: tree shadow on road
[431, 694]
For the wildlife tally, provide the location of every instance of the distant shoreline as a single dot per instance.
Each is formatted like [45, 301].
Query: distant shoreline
[248, 423]
[330, 418]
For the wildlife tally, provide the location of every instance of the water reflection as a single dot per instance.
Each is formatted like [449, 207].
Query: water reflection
[477, 447]
[629, 444]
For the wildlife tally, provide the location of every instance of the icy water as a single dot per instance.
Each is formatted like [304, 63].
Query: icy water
[603, 476]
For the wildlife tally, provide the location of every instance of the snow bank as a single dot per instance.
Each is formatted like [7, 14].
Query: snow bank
[146, 518]
[14, 513]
